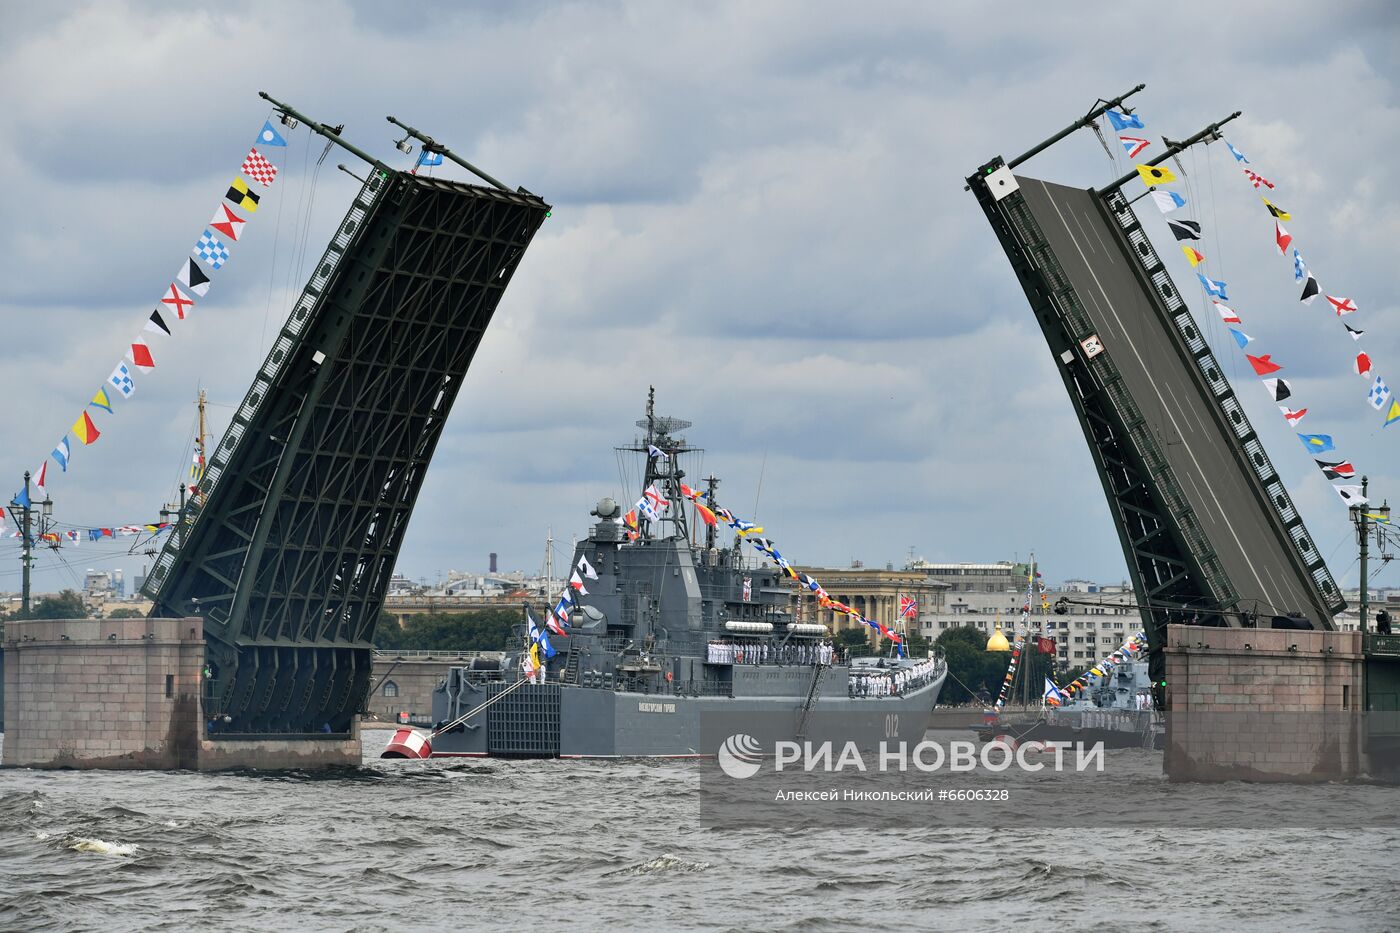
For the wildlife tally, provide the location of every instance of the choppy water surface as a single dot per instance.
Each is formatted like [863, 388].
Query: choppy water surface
[541, 844]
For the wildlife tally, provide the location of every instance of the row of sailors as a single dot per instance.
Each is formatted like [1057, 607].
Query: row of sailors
[884, 683]
[726, 652]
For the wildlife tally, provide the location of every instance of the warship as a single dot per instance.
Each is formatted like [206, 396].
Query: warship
[1116, 710]
[666, 636]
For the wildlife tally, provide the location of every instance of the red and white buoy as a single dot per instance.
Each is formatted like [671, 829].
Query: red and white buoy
[408, 743]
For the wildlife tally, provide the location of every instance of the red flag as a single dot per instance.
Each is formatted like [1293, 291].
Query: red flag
[140, 354]
[1262, 364]
[1293, 417]
[1282, 237]
[1363, 364]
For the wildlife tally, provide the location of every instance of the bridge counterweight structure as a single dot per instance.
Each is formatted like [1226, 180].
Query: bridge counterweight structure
[1208, 530]
[308, 494]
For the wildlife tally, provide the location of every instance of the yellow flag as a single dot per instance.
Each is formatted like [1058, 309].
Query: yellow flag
[535, 655]
[1393, 415]
[1277, 211]
[1155, 174]
[1193, 256]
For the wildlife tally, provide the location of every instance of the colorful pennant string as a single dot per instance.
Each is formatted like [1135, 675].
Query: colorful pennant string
[192, 281]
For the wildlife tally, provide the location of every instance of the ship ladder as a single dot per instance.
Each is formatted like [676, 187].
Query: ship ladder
[571, 668]
[814, 690]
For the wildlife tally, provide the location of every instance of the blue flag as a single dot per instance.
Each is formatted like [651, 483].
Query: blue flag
[549, 651]
[270, 137]
[1241, 337]
[1317, 443]
[22, 497]
[1123, 121]
[1300, 268]
[1213, 288]
[61, 453]
[1239, 156]
[429, 158]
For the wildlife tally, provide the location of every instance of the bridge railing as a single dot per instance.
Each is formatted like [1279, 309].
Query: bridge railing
[349, 229]
[1220, 388]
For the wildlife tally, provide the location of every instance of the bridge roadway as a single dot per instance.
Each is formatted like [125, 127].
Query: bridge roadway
[1173, 397]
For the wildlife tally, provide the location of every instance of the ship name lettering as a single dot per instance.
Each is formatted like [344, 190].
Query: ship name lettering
[643, 706]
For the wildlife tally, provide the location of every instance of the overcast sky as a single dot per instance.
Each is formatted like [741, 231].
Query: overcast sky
[758, 208]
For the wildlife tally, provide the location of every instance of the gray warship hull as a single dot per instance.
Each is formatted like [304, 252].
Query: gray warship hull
[564, 721]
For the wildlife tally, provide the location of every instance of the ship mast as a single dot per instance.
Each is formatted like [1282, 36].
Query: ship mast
[200, 438]
[664, 470]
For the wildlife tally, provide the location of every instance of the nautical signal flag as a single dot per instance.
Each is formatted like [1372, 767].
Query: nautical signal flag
[1155, 174]
[1393, 415]
[1134, 144]
[1342, 469]
[156, 324]
[1278, 212]
[242, 196]
[1214, 289]
[121, 380]
[576, 582]
[1239, 156]
[587, 568]
[259, 169]
[140, 355]
[1241, 337]
[1310, 290]
[1363, 364]
[1355, 334]
[1193, 256]
[1256, 179]
[1279, 389]
[1379, 394]
[61, 453]
[84, 430]
[41, 479]
[102, 400]
[270, 137]
[1351, 495]
[227, 222]
[193, 278]
[1227, 314]
[1282, 238]
[1341, 305]
[1262, 364]
[1317, 443]
[1185, 229]
[1124, 121]
[429, 158]
[706, 515]
[1168, 201]
[177, 301]
[1291, 416]
[1300, 268]
[211, 250]
[908, 607]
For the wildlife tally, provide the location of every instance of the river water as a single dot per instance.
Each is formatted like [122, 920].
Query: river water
[592, 845]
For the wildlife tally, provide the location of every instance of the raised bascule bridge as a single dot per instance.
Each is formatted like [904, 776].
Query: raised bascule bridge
[1208, 530]
[287, 556]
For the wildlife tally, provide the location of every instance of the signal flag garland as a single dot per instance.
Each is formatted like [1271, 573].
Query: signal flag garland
[189, 283]
[1263, 364]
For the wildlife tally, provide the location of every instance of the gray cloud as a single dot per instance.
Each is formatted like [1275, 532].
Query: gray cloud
[759, 208]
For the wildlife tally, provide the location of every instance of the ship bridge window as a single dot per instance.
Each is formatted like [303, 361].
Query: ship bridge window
[390, 689]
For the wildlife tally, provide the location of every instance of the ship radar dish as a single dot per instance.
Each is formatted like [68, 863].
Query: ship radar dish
[664, 425]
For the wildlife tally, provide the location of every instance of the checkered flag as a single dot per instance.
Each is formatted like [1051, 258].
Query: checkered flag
[259, 169]
[211, 250]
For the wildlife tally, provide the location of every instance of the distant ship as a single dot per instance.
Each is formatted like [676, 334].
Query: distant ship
[1116, 710]
[668, 636]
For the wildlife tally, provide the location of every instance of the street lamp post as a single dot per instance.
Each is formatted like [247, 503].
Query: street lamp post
[26, 510]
